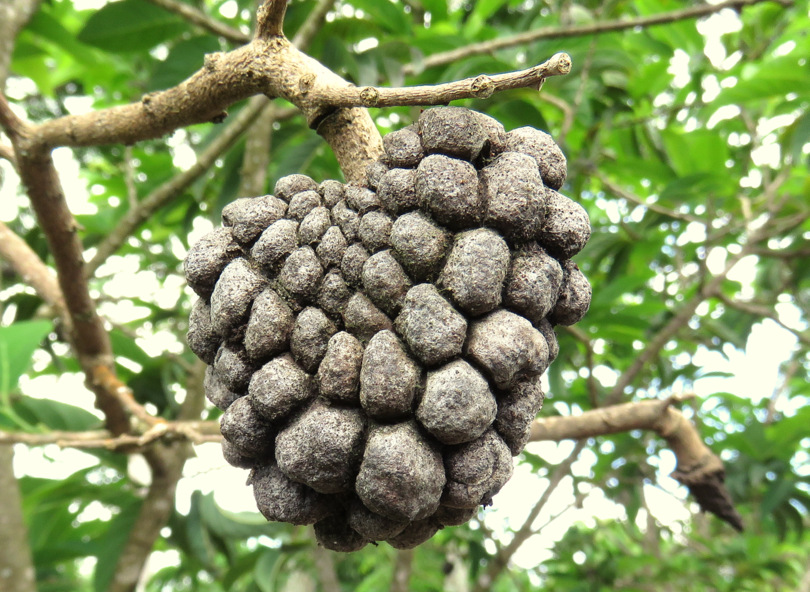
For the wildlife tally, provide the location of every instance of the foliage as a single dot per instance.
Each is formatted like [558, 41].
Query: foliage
[687, 142]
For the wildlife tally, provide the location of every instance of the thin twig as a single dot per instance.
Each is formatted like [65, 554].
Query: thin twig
[454, 55]
[481, 87]
[195, 431]
[668, 331]
[782, 253]
[757, 310]
[792, 369]
[565, 107]
[498, 563]
[270, 19]
[202, 20]
[582, 337]
[146, 208]
[7, 153]
[619, 191]
[129, 178]
[310, 27]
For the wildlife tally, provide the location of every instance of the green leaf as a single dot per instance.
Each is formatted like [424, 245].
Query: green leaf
[775, 78]
[49, 29]
[231, 525]
[777, 494]
[697, 151]
[198, 537]
[388, 15]
[56, 415]
[266, 570]
[131, 26]
[185, 58]
[118, 533]
[18, 342]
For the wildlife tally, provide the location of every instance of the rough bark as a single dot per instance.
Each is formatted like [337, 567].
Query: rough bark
[698, 467]
[14, 14]
[166, 463]
[16, 564]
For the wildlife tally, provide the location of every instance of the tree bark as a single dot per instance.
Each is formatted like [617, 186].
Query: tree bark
[16, 564]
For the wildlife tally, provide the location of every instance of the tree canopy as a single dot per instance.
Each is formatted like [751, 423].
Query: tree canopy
[130, 125]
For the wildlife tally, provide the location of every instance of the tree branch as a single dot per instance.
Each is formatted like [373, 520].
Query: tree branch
[14, 15]
[270, 19]
[453, 55]
[166, 462]
[87, 336]
[619, 191]
[32, 270]
[270, 65]
[325, 566]
[307, 31]
[675, 324]
[403, 567]
[698, 467]
[7, 153]
[253, 178]
[258, 141]
[782, 253]
[16, 563]
[480, 87]
[764, 312]
[202, 20]
[500, 561]
[196, 432]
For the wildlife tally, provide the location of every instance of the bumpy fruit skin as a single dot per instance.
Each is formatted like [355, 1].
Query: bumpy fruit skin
[377, 350]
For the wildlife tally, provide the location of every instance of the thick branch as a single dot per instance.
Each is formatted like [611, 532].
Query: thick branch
[698, 467]
[403, 567]
[274, 67]
[14, 14]
[454, 55]
[88, 336]
[325, 566]
[256, 160]
[167, 468]
[224, 79]
[32, 270]
[7, 153]
[16, 563]
[166, 463]
[202, 20]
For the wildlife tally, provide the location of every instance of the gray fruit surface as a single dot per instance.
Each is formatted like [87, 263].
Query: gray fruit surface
[377, 350]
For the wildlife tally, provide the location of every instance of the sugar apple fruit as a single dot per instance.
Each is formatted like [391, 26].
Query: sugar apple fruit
[377, 350]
